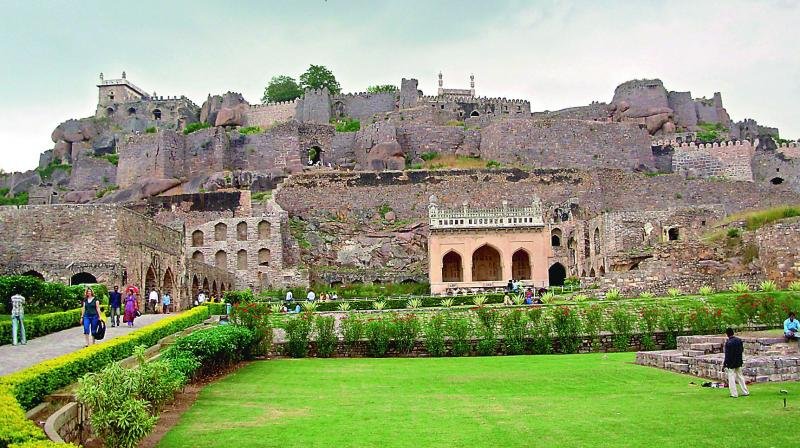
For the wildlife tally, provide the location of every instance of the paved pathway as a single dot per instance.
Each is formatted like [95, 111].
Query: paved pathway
[14, 358]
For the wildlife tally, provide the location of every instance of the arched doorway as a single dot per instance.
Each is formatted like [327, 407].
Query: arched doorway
[205, 287]
[557, 274]
[673, 234]
[486, 264]
[451, 267]
[475, 113]
[34, 274]
[602, 270]
[220, 232]
[596, 241]
[195, 288]
[314, 155]
[150, 280]
[214, 290]
[82, 278]
[263, 257]
[521, 265]
[592, 273]
[555, 237]
[169, 283]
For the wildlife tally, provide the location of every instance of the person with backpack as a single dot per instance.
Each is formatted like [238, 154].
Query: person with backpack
[90, 315]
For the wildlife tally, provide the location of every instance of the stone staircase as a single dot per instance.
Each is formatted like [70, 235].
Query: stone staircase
[766, 359]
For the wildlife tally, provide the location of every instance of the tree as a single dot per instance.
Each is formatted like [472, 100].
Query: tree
[281, 88]
[317, 77]
[382, 88]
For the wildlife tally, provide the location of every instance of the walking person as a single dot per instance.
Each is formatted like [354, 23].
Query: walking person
[152, 300]
[131, 306]
[90, 316]
[115, 302]
[166, 302]
[734, 349]
[18, 318]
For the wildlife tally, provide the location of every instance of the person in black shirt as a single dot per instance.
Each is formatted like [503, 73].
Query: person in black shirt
[115, 303]
[733, 364]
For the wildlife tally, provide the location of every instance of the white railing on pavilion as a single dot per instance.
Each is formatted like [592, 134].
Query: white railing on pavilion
[485, 218]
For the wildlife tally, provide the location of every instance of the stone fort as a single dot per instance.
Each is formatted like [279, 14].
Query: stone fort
[271, 195]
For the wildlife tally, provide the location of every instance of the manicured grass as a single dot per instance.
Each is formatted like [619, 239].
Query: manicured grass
[522, 401]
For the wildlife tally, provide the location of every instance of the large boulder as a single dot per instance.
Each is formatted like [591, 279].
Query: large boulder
[104, 144]
[74, 131]
[62, 152]
[23, 181]
[232, 116]
[234, 104]
[79, 197]
[386, 156]
[145, 188]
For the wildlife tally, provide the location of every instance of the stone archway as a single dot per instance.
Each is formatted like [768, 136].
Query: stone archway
[452, 270]
[195, 288]
[150, 280]
[557, 274]
[82, 278]
[486, 265]
[206, 288]
[521, 265]
[214, 290]
[33, 273]
[168, 286]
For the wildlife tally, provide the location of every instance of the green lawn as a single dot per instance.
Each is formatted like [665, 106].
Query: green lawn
[521, 401]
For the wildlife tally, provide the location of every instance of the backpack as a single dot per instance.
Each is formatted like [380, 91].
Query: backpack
[100, 333]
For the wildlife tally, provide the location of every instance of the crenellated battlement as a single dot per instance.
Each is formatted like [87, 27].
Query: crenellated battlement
[274, 104]
[789, 145]
[698, 146]
[363, 95]
[473, 99]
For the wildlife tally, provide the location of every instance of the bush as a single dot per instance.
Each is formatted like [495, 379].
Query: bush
[30, 385]
[648, 323]
[21, 198]
[326, 336]
[255, 317]
[406, 328]
[672, 323]
[540, 330]
[459, 330]
[622, 325]
[513, 326]
[705, 290]
[646, 295]
[382, 88]
[238, 296]
[613, 294]
[346, 125]
[14, 426]
[194, 127]
[42, 324]
[567, 325]
[740, 287]
[150, 130]
[378, 333]
[673, 292]
[249, 130]
[593, 322]
[767, 286]
[733, 232]
[44, 297]
[297, 331]
[352, 331]
[434, 335]
[705, 320]
[428, 156]
[214, 348]
[794, 286]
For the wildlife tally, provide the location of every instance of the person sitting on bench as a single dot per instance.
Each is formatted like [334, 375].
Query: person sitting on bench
[791, 328]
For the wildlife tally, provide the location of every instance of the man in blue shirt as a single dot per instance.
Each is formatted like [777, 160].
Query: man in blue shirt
[791, 328]
[115, 302]
[166, 302]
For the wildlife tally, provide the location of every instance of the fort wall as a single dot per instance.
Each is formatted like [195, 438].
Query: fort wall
[265, 115]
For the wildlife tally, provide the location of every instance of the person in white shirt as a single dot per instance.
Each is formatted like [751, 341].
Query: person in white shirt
[311, 296]
[153, 300]
[17, 318]
[201, 298]
[289, 296]
[335, 296]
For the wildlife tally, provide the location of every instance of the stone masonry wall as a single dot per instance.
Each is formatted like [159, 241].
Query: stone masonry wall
[730, 160]
[777, 249]
[265, 115]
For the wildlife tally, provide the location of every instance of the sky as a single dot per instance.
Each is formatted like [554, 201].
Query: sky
[556, 54]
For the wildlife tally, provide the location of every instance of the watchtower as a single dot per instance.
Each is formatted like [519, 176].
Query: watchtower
[115, 91]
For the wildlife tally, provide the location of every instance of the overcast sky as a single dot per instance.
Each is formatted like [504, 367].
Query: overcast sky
[555, 54]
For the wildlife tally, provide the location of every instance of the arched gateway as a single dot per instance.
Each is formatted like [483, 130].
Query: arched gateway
[484, 248]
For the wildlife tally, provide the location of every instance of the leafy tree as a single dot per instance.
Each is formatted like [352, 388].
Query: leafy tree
[382, 88]
[317, 77]
[281, 88]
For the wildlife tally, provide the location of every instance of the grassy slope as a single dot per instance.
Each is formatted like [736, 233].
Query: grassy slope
[579, 400]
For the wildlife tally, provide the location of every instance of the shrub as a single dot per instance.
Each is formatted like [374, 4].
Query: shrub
[309, 307]
[255, 317]
[249, 130]
[487, 342]
[592, 323]
[513, 327]
[622, 325]
[382, 88]
[646, 295]
[378, 333]
[344, 306]
[548, 297]
[214, 348]
[745, 308]
[648, 323]
[14, 426]
[672, 323]
[459, 330]
[43, 297]
[42, 324]
[541, 341]
[434, 335]
[740, 287]
[238, 296]
[379, 304]
[673, 292]
[414, 303]
[297, 331]
[767, 286]
[326, 336]
[151, 130]
[705, 290]
[194, 127]
[347, 125]
[447, 303]
[567, 325]
[613, 294]
[20, 198]
[493, 164]
[572, 283]
[352, 330]
[733, 232]
[428, 156]
[479, 300]
[580, 297]
[705, 320]
[794, 286]
[406, 328]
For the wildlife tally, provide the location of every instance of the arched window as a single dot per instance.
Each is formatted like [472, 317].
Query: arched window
[168, 282]
[263, 230]
[195, 287]
[83, 278]
[241, 231]
[241, 260]
[198, 256]
[263, 257]
[131, 111]
[451, 267]
[34, 274]
[555, 237]
[475, 113]
[673, 234]
[521, 265]
[150, 280]
[156, 114]
[110, 110]
[205, 286]
[197, 238]
[220, 232]
[486, 264]
[596, 241]
[221, 259]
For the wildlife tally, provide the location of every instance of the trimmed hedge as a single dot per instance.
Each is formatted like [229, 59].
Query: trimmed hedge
[44, 297]
[213, 348]
[42, 324]
[14, 426]
[398, 304]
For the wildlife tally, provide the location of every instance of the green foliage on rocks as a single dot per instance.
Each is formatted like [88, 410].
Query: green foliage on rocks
[249, 130]
[710, 132]
[281, 88]
[46, 172]
[193, 127]
[319, 76]
[297, 227]
[151, 130]
[112, 158]
[346, 124]
[104, 191]
[20, 198]
[382, 88]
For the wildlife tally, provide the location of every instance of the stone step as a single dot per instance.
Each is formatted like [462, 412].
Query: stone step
[677, 367]
[693, 353]
[708, 347]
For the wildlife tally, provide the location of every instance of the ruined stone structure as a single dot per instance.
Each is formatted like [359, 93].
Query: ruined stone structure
[483, 248]
[626, 189]
[108, 244]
